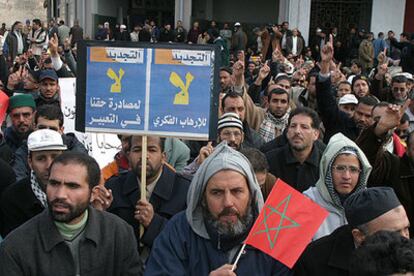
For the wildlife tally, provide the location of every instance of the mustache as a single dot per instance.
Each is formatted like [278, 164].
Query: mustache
[298, 136]
[229, 211]
[22, 124]
[60, 202]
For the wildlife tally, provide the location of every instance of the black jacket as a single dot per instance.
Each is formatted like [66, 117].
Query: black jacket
[284, 165]
[166, 35]
[252, 139]
[389, 170]
[407, 55]
[329, 255]
[18, 204]
[7, 176]
[6, 153]
[12, 43]
[168, 198]
[13, 139]
[407, 187]
[37, 248]
[334, 120]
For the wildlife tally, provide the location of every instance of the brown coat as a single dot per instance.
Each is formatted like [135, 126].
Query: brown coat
[254, 114]
[366, 54]
[268, 185]
[267, 38]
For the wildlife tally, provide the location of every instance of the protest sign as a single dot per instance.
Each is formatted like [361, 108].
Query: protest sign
[148, 89]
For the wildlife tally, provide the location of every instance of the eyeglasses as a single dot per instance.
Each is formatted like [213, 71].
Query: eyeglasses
[47, 127]
[351, 169]
[227, 133]
[398, 89]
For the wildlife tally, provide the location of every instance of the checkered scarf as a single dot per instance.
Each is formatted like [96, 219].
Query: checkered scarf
[38, 192]
[271, 123]
[361, 185]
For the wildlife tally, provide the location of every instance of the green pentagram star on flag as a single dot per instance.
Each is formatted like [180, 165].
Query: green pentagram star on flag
[275, 212]
[286, 224]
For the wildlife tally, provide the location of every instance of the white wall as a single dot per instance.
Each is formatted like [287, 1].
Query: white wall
[387, 15]
[12, 11]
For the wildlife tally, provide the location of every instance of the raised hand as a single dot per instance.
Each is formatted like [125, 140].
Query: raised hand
[327, 51]
[53, 45]
[390, 118]
[205, 152]
[263, 72]
[382, 57]
[382, 70]
[101, 198]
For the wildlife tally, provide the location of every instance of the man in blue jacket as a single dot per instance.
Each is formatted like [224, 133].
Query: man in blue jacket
[166, 191]
[223, 201]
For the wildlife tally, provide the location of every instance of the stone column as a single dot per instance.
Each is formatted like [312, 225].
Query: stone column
[183, 12]
[297, 13]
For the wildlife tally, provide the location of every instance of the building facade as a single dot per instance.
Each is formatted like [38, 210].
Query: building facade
[21, 10]
[306, 15]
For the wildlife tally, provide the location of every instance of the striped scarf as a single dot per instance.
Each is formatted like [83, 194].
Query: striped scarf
[38, 192]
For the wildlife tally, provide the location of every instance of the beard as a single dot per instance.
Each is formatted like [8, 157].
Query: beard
[233, 145]
[22, 129]
[151, 170]
[74, 211]
[297, 147]
[229, 229]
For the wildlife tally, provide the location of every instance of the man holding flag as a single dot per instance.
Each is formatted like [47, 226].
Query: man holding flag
[223, 202]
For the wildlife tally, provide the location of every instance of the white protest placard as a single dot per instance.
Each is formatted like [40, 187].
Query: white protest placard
[101, 146]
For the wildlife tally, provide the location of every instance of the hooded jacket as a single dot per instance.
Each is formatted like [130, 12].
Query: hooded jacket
[223, 158]
[185, 246]
[324, 192]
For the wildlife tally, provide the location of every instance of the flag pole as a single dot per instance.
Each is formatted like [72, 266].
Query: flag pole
[238, 257]
[143, 186]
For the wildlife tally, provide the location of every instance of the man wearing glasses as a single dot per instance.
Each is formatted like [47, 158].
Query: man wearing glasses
[397, 92]
[230, 129]
[344, 170]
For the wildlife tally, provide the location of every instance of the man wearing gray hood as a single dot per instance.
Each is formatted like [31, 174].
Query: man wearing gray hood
[223, 201]
[343, 170]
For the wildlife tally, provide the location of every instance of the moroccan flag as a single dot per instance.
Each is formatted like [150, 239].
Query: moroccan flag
[286, 224]
[4, 104]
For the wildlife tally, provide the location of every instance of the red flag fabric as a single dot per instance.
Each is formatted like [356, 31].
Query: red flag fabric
[286, 224]
[4, 104]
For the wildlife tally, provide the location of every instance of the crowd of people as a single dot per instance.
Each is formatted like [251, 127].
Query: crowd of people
[333, 119]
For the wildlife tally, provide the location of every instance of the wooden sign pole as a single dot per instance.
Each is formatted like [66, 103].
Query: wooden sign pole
[143, 186]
